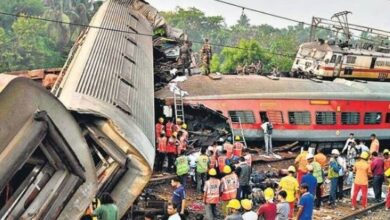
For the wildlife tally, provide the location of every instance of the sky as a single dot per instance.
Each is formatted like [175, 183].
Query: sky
[373, 13]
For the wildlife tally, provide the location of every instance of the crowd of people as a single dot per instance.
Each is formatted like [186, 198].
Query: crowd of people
[221, 173]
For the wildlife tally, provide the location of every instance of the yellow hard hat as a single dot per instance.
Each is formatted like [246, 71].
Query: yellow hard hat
[234, 204]
[291, 169]
[174, 134]
[184, 126]
[212, 172]
[387, 173]
[227, 169]
[246, 204]
[161, 119]
[269, 194]
[237, 138]
[386, 151]
[364, 155]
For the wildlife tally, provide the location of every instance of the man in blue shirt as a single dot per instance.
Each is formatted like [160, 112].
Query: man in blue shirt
[310, 180]
[179, 195]
[306, 203]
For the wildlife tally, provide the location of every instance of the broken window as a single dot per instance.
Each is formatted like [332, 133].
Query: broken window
[246, 117]
[325, 118]
[350, 118]
[372, 118]
[299, 118]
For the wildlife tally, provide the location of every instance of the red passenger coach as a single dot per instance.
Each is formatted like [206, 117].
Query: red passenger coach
[299, 109]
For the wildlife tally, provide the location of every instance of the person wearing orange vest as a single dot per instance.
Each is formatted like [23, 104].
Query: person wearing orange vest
[228, 147]
[159, 127]
[301, 163]
[169, 128]
[161, 151]
[182, 141]
[221, 160]
[229, 186]
[238, 147]
[321, 158]
[172, 151]
[212, 159]
[363, 172]
[177, 126]
[374, 147]
[212, 190]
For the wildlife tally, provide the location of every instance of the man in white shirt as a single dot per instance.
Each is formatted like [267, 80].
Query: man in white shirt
[172, 212]
[347, 145]
[267, 128]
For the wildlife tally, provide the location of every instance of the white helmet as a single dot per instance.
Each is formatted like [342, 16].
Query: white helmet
[335, 152]
[309, 156]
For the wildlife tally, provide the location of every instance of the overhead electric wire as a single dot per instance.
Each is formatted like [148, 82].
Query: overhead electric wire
[283, 17]
[137, 33]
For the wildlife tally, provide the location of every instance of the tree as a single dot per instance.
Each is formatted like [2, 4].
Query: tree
[215, 63]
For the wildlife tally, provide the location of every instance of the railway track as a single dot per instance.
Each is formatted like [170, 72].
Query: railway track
[360, 213]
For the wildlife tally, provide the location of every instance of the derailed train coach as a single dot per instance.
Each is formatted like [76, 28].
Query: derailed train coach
[93, 133]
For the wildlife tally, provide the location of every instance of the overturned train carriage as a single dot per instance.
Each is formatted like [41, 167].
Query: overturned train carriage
[95, 134]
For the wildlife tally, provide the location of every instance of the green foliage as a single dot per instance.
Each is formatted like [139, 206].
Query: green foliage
[215, 63]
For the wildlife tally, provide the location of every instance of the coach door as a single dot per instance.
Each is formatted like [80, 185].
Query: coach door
[338, 65]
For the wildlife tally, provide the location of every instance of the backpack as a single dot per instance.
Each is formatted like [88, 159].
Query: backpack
[269, 128]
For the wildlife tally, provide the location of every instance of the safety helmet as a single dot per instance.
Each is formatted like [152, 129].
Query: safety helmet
[269, 194]
[161, 119]
[364, 155]
[184, 126]
[234, 204]
[386, 151]
[246, 204]
[335, 152]
[237, 138]
[387, 173]
[174, 134]
[291, 169]
[227, 169]
[309, 156]
[212, 172]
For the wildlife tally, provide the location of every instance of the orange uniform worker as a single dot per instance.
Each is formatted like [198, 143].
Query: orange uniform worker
[161, 150]
[321, 158]
[374, 147]
[238, 147]
[229, 186]
[159, 127]
[221, 160]
[301, 163]
[169, 128]
[291, 186]
[363, 172]
[211, 196]
[229, 149]
[172, 150]
[386, 157]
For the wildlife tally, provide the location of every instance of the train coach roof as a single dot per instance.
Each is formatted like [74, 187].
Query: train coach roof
[252, 86]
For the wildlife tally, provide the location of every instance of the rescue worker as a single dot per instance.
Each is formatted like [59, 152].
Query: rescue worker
[238, 147]
[159, 127]
[247, 205]
[229, 186]
[387, 175]
[177, 126]
[333, 174]
[202, 164]
[362, 173]
[172, 150]
[182, 168]
[321, 158]
[211, 194]
[244, 174]
[228, 147]
[267, 211]
[184, 59]
[233, 207]
[377, 170]
[267, 128]
[222, 161]
[162, 151]
[179, 195]
[205, 55]
[374, 146]
[301, 164]
[318, 173]
[169, 128]
[212, 160]
[184, 130]
[291, 186]
[386, 153]
[181, 142]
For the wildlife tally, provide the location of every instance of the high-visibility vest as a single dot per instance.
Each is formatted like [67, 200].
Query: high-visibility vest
[317, 172]
[213, 162]
[237, 150]
[202, 164]
[171, 146]
[212, 188]
[229, 187]
[182, 166]
[221, 162]
[162, 144]
[229, 149]
[248, 159]
[159, 129]
[169, 129]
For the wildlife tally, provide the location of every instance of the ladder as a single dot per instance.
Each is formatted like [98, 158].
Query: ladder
[241, 132]
[178, 102]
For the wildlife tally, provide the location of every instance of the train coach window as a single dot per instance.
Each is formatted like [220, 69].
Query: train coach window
[325, 118]
[246, 117]
[299, 118]
[387, 118]
[351, 59]
[333, 59]
[275, 117]
[372, 118]
[350, 118]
